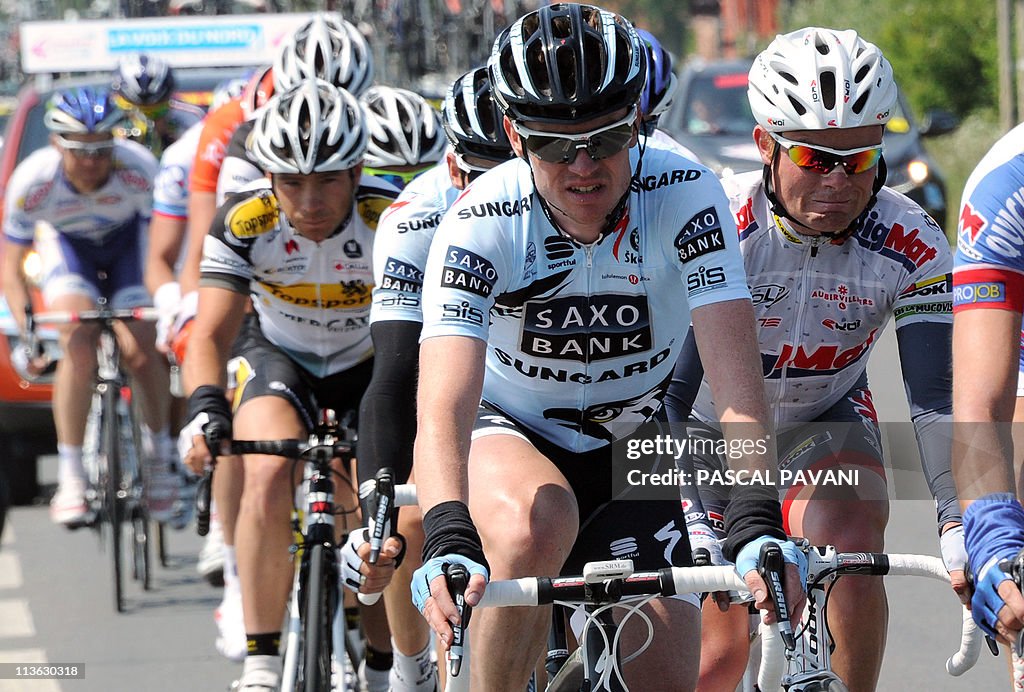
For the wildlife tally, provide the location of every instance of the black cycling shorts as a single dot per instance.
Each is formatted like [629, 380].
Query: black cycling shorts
[652, 533]
[265, 370]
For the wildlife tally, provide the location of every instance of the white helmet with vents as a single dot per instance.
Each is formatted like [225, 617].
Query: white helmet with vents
[817, 79]
[326, 47]
[314, 127]
[404, 129]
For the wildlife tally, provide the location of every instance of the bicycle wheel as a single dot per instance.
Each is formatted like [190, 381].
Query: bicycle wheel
[110, 441]
[321, 588]
[132, 470]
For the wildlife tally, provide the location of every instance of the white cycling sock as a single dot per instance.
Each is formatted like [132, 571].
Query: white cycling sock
[230, 568]
[69, 462]
[413, 673]
[268, 663]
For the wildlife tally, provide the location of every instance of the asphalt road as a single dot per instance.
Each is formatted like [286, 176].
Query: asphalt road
[56, 602]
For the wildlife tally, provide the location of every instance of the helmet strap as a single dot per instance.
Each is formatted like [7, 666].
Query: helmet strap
[837, 237]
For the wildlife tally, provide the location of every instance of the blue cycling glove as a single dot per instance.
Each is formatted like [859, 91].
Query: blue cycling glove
[746, 559]
[433, 568]
[993, 531]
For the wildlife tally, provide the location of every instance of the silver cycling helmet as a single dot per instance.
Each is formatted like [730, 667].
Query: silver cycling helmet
[472, 119]
[404, 130]
[143, 80]
[314, 127]
[816, 79]
[326, 47]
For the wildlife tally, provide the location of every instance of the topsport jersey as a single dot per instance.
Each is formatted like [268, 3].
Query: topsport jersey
[581, 339]
[821, 306]
[313, 299]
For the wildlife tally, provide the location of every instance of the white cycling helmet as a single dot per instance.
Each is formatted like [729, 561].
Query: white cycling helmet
[314, 127]
[817, 79]
[326, 47]
[404, 130]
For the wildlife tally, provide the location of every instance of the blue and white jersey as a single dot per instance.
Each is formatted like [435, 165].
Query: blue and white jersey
[403, 243]
[989, 265]
[822, 305]
[38, 191]
[170, 189]
[581, 339]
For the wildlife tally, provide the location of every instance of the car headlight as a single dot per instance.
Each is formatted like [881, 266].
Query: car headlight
[917, 171]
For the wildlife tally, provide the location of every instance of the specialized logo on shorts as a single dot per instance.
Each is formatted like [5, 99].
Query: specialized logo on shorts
[692, 248]
[401, 276]
[821, 359]
[984, 292]
[943, 308]
[587, 328]
[342, 295]
[896, 242]
[468, 271]
[370, 207]
[253, 216]
[937, 285]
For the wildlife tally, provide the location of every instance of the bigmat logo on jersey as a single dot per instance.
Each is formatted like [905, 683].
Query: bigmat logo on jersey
[587, 328]
[822, 359]
[896, 243]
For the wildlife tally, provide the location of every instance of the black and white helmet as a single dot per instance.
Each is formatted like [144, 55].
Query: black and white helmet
[314, 127]
[567, 62]
[404, 129]
[326, 47]
[473, 120]
[143, 80]
[817, 79]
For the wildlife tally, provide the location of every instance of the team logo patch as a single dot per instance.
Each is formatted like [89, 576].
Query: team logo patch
[982, 292]
[468, 271]
[587, 330]
[253, 216]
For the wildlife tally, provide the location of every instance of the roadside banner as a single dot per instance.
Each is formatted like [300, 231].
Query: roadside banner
[97, 45]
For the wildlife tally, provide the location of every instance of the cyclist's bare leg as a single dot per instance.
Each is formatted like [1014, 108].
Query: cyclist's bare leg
[527, 517]
[851, 519]
[227, 492]
[263, 532]
[723, 646]
[671, 661]
[74, 378]
[149, 370]
[1017, 431]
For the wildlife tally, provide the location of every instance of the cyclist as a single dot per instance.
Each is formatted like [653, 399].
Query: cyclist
[406, 137]
[527, 280]
[84, 203]
[987, 354]
[832, 255]
[328, 48]
[143, 86]
[300, 249]
[473, 126]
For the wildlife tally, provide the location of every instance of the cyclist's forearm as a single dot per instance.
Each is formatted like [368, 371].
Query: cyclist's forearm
[15, 290]
[450, 383]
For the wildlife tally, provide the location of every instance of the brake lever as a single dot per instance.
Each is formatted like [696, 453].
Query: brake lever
[770, 566]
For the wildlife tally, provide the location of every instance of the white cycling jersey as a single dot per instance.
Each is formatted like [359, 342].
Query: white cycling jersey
[403, 242]
[663, 140]
[38, 191]
[821, 306]
[170, 188]
[313, 299]
[581, 339]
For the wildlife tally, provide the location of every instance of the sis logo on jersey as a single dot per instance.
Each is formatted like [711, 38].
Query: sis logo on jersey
[896, 242]
[253, 216]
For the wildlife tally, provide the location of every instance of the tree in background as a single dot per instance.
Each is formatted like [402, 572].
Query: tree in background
[943, 53]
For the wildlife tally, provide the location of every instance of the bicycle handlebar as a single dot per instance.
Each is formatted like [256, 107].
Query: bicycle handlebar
[76, 316]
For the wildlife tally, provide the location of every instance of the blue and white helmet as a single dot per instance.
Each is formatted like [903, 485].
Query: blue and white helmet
[82, 110]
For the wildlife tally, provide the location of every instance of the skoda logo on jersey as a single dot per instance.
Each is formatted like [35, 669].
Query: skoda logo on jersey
[587, 329]
[352, 249]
